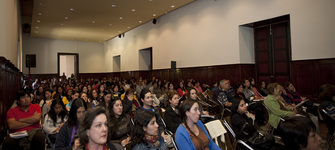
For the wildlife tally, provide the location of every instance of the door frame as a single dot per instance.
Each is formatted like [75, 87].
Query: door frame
[76, 70]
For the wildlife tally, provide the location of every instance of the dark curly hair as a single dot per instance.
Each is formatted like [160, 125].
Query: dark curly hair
[141, 119]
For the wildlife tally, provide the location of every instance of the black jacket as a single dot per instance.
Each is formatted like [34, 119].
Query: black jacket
[172, 119]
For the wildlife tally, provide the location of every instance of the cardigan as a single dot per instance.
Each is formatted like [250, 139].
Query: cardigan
[275, 113]
[183, 138]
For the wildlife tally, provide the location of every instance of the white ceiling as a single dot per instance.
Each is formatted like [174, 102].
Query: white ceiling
[95, 20]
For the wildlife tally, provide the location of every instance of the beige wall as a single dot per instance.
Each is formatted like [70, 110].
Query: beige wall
[203, 33]
[46, 50]
[207, 32]
[9, 30]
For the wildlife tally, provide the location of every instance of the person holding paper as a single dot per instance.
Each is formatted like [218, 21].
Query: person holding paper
[25, 117]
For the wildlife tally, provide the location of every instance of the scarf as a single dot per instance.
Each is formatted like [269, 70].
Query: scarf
[152, 139]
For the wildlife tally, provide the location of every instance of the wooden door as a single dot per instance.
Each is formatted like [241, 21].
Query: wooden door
[272, 51]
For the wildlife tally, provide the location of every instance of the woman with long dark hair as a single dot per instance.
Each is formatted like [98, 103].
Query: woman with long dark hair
[145, 135]
[181, 89]
[172, 115]
[55, 119]
[242, 120]
[192, 134]
[119, 124]
[67, 137]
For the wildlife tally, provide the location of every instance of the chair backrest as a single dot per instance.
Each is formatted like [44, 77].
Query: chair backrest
[216, 129]
[330, 121]
[236, 142]
[174, 143]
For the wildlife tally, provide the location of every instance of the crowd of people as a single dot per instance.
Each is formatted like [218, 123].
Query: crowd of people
[135, 114]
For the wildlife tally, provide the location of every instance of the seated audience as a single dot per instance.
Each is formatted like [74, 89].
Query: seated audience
[54, 119]
[230, 89]
[119, 124]
[191, 134]
[248, 91]
[67, 138]
[68, 97]
[263, 91]
[299, 133]
[192, 94]
[127, 102]
[242, 120]
[171, 115]
[146, 134]
[74, 96]
[290, 89]
[45, 103]
[86, 100]
[276, 109]
[327, 97]
[198, 87]
[181, 89]
[24, 117]
[107, 95]
[222, 95]
[146, 98]
[239, 91]
[94, 97]
[254, 89]
[93, 132]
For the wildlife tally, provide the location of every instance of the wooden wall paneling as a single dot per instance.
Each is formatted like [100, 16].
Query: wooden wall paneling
[9, 87]
[304, 77]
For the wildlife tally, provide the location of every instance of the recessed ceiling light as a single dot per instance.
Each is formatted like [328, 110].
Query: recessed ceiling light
[38, 21]
[93, 21]
[172, 6]
[36, 27]
[154, 15]
[61, 24]
[65, 17]
[150, 0]
[121, 18]
[140, 21]
[40, 14]
[113, 5]
[128, 27]
[133, 10]
[110, 24]
[71, 9]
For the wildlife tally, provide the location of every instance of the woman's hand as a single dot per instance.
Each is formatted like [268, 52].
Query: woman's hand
[126, 141]
[76, 144]
[163, 135]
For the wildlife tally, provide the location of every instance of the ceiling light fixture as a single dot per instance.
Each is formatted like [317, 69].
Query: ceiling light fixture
[71, 9]
[121, 18]
[65, 17]
[172, 6]
[140, 21]
[36, 27]
[113, 5]
[40, 14]
[110, 24]
[133, 10]
[93, 21]
[38, 21]
[154, 15]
